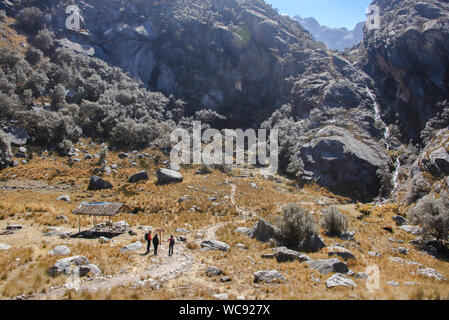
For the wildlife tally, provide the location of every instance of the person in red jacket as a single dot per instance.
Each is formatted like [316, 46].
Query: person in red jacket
[171, 245]
[148, 240]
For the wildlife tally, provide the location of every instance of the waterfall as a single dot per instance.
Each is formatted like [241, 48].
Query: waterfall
[397, 167]
[387, 133]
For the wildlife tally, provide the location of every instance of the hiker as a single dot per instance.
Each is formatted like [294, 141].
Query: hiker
[171, 244]
[155, 244]
[148, 240]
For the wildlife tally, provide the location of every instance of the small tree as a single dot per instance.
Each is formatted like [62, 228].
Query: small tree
[334, 222]
[44, 40]
[30, 19]
[33, 56]
[297, 224]
[58, 96]
[2, 16]
[433, 216]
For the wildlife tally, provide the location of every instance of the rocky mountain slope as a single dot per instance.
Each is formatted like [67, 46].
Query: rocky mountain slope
[334, 38]
[344, 119]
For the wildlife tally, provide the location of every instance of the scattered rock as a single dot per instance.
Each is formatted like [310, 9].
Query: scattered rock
[268, 276]
[253, 185]
[123, 155]
[264, 231]
[104, 240]
[241, 246]
[64, 198]
[214, 245]
[339, 280]
[140, 176]
[213, 271]
[374, 254]
[135, 246]
[348, 236]
[181, 238]
[62, 217]
[403, 250]
[431, 273]
[242, 230]
[60, 251]
[400, 220]
[121, 224]
[182, 230]
[13, 227]
[97, 183]
[411, 229]
[92, 269]
[341, 252]
[225, 279]
[283, 254]
[328, 266]
[221, 296]
[393, 283]
[65, 265]
[313, 243]
[361, 275]
[132, 233]
[5, 246]
[167, 176]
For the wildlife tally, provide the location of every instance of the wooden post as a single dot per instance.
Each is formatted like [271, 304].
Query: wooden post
[79, 224]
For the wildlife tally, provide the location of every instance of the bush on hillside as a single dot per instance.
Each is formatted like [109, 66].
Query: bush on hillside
[297, 224]
[334, 222]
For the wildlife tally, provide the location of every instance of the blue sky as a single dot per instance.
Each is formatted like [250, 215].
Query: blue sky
[332, 13]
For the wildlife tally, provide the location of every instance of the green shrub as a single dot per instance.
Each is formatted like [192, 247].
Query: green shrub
[30, 19]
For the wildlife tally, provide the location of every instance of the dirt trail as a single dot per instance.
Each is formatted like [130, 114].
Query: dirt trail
[163, 267]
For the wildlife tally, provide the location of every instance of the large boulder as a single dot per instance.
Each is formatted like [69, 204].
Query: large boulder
[214, 245]
[440, 161]
[341, 252]
[313, 243]
[344, 163]
[97, 183]
[18, 135]
[66, 265]
[339, 280]
[328, 266]
[264, 231]
[140, 176]
[135, 246]
[60, 251]
[167, 176]
[283, 254]
[268, 276]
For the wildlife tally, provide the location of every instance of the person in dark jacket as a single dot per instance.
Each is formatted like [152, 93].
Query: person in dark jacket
[148, 240]
[171, 245]
[155, 244]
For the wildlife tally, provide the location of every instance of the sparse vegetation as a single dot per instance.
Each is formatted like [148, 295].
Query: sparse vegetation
[297, 224]
[433, 216]
[334, 222]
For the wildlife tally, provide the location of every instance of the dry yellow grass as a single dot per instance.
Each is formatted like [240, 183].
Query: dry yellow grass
[158, 206]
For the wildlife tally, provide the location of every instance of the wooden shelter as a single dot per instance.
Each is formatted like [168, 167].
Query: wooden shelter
[97, 209]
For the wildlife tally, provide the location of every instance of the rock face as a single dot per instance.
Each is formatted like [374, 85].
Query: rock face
[268, 276]
[140, 176]
[343, 163]
[408, 59]
[264, 231]
[214, 245]
[97, 183]
[339, 280]
[167, 176]
[328, 266]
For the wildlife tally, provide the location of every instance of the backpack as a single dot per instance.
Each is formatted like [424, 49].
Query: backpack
[172, 241]
[148, 237]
